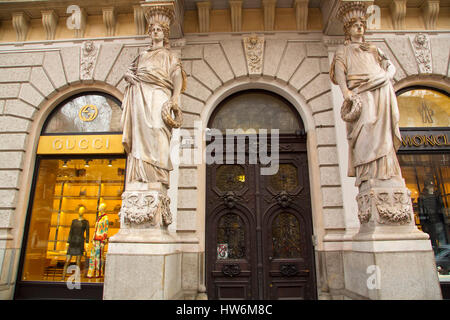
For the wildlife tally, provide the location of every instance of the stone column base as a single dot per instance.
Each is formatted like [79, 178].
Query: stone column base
[143, 264]
[390, 257]
[392, 270]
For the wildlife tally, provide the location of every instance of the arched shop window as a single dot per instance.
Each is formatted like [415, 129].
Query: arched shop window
[76, 197]
[425, 161]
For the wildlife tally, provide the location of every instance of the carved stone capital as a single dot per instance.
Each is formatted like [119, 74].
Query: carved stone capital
[49, 21]
[385, 206]
[145, 208]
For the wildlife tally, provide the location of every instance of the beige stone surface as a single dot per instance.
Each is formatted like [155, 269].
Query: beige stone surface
[192, 52]
[328, 155]
[41, 82]
[13, 124]
[191, 105]
[332, 196]
[21, 59]
[235, 55]
[401, 47]
[187, 220]
[324, 118]
[189, 271]
[329, 176]
[9, 90]
[15, 74]
[319, 85]
[29, 94]
[195, 89]
[188, 177]
[8, 198]
[13, 141]
[440, 49]
[293, 56]
[202, 72]
[308, 69]
[126, 56]
[71, 62]
[272, 55]
[322, 102]
[9, 178]
[215, 57]
[187, 198]
[105, 60]
[54, 69]
[19, 108]
[11, 159]
[333, 218]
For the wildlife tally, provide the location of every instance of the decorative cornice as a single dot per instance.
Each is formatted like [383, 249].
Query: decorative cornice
[203, 9]
[430, 9]
[139, 20]
[109, 19]
[21, 24]
[236, 15]
[301, 14]
[49, 21]
[398, 12]
[269, 14]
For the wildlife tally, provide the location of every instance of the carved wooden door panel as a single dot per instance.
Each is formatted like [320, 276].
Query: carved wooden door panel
[230, 235]
[259, 229]
[288, 255]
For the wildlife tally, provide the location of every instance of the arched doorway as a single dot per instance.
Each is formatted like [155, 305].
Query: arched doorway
[80, 168]
[258, 222]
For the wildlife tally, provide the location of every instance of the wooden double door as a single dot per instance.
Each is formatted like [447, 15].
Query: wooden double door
[259, 228]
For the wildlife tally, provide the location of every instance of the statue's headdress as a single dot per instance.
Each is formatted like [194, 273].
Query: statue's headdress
[349, 12]
[162, 13]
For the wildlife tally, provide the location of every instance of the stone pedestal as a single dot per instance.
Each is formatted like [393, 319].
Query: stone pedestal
[390, 257]
[144, 259]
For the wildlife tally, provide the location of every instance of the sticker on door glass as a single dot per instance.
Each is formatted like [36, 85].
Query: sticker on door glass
[222, 251]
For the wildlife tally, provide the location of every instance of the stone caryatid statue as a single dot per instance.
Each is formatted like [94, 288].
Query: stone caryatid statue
[151, 110]
[364, 75]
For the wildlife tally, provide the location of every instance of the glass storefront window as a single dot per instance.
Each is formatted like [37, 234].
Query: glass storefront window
[74, 211]
[424, 108]
[428, 178]
[94, 112]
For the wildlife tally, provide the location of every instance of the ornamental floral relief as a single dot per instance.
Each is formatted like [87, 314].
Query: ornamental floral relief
[254, 53]
[88, 58]
[422, 51]
[394, 208]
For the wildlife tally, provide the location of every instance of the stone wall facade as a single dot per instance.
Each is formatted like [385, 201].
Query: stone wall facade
[36, 77]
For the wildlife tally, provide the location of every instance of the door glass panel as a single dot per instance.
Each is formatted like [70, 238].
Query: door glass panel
[230, 178]
[286, 236]
[427, 176]
[231, 237]
[256, 110]
[66, 219]
[286, 179]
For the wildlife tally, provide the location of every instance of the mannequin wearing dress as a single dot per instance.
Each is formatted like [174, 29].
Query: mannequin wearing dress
[76, 239]
[99, 240]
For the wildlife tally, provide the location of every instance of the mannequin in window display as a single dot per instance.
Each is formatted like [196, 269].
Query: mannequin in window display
[97, 257]
[76, 240]
[431, 214]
